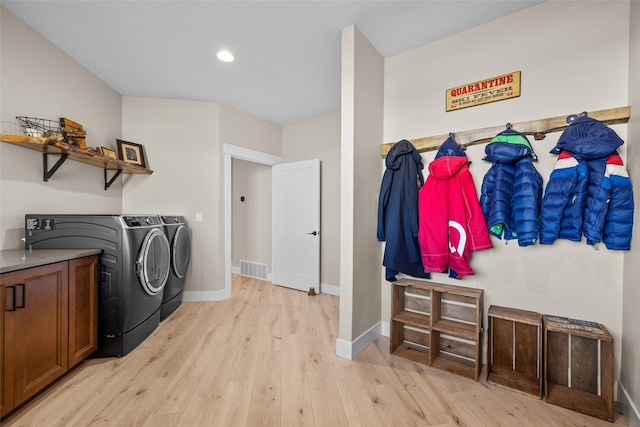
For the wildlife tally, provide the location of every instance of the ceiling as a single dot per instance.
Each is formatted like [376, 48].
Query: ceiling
[288, 53]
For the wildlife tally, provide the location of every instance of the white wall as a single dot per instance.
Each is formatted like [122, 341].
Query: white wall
[319, 138]
[39, 80]
[630, 372]
[182, 149]
[244, 130]
[361, 136]
[251, 217]
[573, 57]
[183, 141]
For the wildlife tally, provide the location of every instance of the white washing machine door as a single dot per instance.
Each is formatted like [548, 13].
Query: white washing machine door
[181, 247]
[154, 262]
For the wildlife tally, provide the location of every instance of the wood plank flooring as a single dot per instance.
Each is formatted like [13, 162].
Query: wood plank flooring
[266, 357]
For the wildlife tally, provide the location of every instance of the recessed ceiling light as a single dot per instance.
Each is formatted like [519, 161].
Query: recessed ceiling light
[225, 56]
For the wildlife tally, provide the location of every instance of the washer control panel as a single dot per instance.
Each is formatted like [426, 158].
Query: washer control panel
[168, 220]
[40, 223]
[141, 221]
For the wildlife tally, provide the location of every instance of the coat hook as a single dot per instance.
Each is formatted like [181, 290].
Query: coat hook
[509, 126]
[571, 118]
[583, 114]
[452, 135]
[538, 136]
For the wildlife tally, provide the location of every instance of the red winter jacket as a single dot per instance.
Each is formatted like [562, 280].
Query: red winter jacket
[452, 224]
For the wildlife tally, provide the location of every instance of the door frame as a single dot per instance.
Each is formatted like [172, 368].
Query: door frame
[236, 152]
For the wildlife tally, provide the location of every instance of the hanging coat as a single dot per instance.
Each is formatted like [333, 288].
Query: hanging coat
[589, 192]
[512, 189]
[452, 225]
[398, 211]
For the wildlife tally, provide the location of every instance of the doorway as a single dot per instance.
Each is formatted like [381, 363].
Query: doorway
[251, 244]
[235, 152]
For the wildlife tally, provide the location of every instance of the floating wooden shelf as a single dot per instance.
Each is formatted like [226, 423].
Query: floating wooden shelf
[537, 128]
[438, 325]
[67, 151]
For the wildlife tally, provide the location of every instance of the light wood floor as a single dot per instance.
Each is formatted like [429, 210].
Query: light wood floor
[266, 357]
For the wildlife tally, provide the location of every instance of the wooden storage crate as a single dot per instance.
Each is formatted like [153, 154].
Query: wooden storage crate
[515, 349]
[578, 366]
[410, 323]
[438, 325]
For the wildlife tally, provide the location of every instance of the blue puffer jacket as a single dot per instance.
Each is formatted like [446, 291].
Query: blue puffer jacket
[589, 192]
[398, 211]
[512, 189]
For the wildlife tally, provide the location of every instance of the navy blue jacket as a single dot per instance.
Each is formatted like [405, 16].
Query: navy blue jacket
[398, 211]
[589, 192]
[512, 189]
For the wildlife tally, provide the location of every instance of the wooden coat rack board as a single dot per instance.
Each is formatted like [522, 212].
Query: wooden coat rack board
[537, 128]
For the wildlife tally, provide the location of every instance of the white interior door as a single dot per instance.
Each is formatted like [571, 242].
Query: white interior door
[296, 225]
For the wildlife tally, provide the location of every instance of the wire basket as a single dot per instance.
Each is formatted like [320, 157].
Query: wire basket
[35, 126]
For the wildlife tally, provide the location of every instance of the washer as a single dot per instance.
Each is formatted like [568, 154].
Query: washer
[134, 267]
[180, 243]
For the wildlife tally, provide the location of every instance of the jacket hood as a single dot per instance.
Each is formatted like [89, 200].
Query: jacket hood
[398, 152]
[450, 148]
[449, 160]
[587, 138]
[509, 146]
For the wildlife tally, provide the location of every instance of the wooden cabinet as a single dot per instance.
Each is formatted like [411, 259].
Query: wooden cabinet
[6, 375]
[438, 325]
[37, 317]
[36, 331]
[83, 309]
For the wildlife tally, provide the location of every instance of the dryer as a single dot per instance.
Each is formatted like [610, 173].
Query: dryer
[134, 267]
[180, 242]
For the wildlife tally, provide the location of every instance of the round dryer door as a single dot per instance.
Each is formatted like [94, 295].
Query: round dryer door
[154, 262]
[181, 251]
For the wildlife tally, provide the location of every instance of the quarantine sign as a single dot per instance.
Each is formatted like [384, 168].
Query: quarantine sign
[484, 91]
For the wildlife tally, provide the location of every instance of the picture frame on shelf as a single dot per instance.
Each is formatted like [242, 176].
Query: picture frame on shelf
[130, 152]
[107, 152]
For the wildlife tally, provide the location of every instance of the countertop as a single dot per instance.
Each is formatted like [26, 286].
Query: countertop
[19, 259]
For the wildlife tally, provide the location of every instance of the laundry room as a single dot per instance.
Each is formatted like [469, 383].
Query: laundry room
[331, 355]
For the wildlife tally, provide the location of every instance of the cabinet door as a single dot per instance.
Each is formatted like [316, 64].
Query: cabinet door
[39, 327]
[83, 309]
[6, 356]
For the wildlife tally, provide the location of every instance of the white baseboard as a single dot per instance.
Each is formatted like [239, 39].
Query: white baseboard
[195, 296]
[629, 409]
[330, 289]
[349, 350]
[325, 288]
[386, 329]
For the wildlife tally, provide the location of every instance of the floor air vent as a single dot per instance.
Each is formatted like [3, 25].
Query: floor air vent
[253, 269]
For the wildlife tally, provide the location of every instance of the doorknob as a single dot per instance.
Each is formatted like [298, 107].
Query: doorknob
[315, 233]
